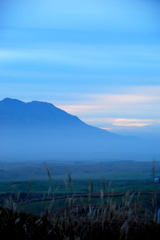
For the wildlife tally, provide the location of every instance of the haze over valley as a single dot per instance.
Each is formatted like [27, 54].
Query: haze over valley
[40, 131]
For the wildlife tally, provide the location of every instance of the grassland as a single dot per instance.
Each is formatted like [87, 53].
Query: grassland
[109, 197]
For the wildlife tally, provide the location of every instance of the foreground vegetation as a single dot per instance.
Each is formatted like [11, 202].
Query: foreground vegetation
[66, 226]
[130, 218]
[80, 208]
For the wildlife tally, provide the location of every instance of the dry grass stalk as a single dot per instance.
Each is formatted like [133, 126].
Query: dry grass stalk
[81, 221]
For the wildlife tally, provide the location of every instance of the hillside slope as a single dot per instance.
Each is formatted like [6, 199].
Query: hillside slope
[39, 130]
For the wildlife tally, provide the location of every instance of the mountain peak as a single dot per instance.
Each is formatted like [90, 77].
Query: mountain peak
[11, 101]
[36, 113]
[40, 130]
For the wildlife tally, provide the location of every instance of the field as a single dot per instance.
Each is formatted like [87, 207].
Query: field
[95, 192]
[32, 182]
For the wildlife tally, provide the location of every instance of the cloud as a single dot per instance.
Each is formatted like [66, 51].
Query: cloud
[112, 104]
[131, 122]
[104, 54]
[145, 103]
[111, 15]
[113, 99]
[121, 122]
[82, 65]
[135, 110]
[79, 109]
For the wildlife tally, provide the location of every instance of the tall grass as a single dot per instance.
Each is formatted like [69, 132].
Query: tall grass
[80, 219]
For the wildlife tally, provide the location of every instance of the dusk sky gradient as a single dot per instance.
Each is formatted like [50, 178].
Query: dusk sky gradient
[98, 60]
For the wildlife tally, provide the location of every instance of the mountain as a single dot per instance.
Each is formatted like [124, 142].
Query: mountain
[41, 131]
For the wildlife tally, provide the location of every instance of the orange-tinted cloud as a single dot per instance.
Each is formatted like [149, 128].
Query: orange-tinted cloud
[131, 122]
[123, 122]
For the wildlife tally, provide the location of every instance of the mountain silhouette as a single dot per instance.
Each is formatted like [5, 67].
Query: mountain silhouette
[40, 131]
[40, 116]
[18, 113]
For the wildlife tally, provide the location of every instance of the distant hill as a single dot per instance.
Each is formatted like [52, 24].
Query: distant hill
[41, 131]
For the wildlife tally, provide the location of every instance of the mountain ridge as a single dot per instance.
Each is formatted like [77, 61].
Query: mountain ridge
[36, 109]
[40, 110]
[39, 130]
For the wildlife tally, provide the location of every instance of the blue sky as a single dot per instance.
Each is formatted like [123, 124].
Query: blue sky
[99, 60]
